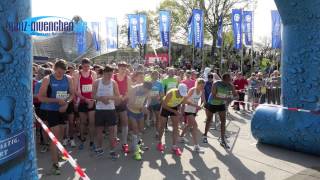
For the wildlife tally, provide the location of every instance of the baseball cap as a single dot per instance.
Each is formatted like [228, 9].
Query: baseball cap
[183, 90]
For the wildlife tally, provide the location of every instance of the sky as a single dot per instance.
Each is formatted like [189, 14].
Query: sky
[94, 10]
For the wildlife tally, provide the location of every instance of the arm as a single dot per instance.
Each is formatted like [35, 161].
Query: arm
[71, 90]
[186, 99]
[42, 95]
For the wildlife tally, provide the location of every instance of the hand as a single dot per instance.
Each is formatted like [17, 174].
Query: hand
[62, 102]
[63, 108]
[144, 110]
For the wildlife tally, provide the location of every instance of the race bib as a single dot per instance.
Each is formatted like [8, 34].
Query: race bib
[139, 101]
[263, 90]
[154, 93]
[62, 95]
[172, 85]
[87, 88]
[219, 95]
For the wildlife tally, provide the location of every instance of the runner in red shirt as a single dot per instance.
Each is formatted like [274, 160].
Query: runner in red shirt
[240, 84]
[83, 84]
[124, 83]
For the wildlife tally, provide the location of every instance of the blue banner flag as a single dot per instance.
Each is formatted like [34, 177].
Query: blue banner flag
[133, 30]
[81, 37]
[95, 28]
[165, 24]
[112, 32]
[276, 29]
[190, 30]
[237, 27]
[143, 34]
[220, 32]
[198, 32]
[247, 21]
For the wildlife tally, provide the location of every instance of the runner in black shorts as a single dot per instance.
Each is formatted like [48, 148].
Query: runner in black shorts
[222, 91]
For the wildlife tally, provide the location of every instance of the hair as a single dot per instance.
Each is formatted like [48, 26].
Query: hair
[108, 68]
[85, 61]
[62, 64]
[147, 85]
[122, 63]
[45, 66]
[200, 81]
[225, 76]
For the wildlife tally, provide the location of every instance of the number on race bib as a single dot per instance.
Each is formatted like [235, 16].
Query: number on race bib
[62, 95]
[87, 88]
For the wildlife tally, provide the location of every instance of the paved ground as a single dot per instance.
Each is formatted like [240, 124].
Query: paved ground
[246, 160]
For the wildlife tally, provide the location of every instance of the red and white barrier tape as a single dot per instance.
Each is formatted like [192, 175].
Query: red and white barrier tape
[278, 106]
[65, 153]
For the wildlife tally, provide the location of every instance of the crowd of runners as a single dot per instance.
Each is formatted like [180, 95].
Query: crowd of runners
[86, 102]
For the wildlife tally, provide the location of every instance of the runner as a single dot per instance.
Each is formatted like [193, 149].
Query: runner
[188, 81]
[170, 107]
[190, 111]
[124, 83]
[222, 92]
[106, 92]
[170, 82]
[157, 94]
[55, 94]
[137, 106]
[83, 83]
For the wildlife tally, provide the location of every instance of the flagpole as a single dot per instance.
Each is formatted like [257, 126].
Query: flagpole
[169, 51]
[222, 44]
[252, 29]
[241, 43]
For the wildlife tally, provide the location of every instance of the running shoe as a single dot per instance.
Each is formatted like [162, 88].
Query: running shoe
[81, 146]
[197, 149]
[137, 154]
[224, 145]
[99, 152]
[73, 143]
[114, 156]
[55, 169]
[204, 139]
[160, 147]
[125, 148]
[177, 151]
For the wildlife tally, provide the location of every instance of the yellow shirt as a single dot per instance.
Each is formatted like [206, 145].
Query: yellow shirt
[174, 101]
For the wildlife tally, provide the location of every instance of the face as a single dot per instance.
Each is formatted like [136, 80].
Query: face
[122, 69]
[170, 73]
[154, 76]
[210, 78]
[107, 75]
[228, 79]
[139, 78]
[85, 67]
[59, 72]
[200, 86]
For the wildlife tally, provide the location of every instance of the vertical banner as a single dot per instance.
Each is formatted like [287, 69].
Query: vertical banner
[143, 34]
[220, 31]
[81, 38]
[198, 28]
[111, 28]
[247, 21]
[190, 30]
[133, 30]
[95, 27]
[237, 27]
[276, 29]
[165, 24]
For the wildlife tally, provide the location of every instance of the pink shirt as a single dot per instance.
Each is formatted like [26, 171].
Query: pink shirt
[189, 82]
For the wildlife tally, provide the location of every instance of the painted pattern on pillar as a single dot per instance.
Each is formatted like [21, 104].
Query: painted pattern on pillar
[301, 81]
[15, 95]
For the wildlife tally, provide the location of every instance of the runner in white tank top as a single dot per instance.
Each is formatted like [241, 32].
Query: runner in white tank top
[106, 92]
[191, 109]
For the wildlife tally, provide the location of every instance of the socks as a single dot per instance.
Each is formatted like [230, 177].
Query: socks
[125, 135]
[134, 141]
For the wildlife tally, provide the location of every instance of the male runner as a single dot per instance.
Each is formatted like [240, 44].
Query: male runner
[55, 94]
[106, 92]
[222, 92]
[136, 107]
[170, 107]
[83, 84]
[124, 83]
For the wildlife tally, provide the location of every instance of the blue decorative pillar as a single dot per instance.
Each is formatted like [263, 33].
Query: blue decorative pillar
[17, 148]
[300, 81]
